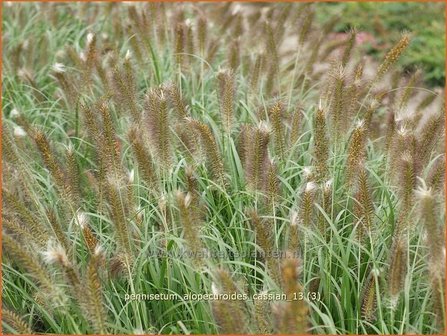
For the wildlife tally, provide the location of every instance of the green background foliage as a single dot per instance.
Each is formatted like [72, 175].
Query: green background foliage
[386, 21]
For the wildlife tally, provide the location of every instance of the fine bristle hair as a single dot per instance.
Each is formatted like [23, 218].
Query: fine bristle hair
[307, 204]
[408, 90]
[303, 33]
[91, 54]
[202, 32]
[229, 314]
[337, 105]
[69, 89]
[262, 315]
[428, 209]
[326, 190]
[189, 141]
[321, 146]
[438, 290]
[177, 101]
[257, 156]
[49, 158]
[226, 91]
[13, 227]
[356, 152]
[110, 154]
[350, 43]
[213, 47]
[271, 80]
[391, 57]
[390, 129]
[436, 175]
[243, 142]
[272, 188]
[313, 56]
[28, 77]
[29, 221]
[28, 261]
[271, 48]
[364, 206]
[14, 321]
[369, 114]
[124, 88]
[234, 56]
[55, 224]
[73, 177]
[142, 156]
[263, 229]
[119, 213]
[95, 308]
[89, 237]
[294, 232]
[403, 145]
[56, 254]
[397, 269]
[257, 68]
[189, 219]
[295, 126]
[157, 118]
[190, 47]
[425, 102]
[407, 181]
[369, 301]
[291, 316]
[353, 93]
[135, 45]
[179, 47]
[211, 150]
[276, 113]
[428, 138]
[10, 151]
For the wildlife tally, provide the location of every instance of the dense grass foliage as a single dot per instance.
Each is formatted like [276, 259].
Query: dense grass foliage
[155, 152]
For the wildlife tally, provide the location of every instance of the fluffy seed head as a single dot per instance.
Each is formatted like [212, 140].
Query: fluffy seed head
[59, 68]
[236, 9]
[356, 151]
[55, 253]
[402, 131]
[392, 56]
[310, 186]
[19, 132]
[307, 172]
[90, 37]
[128, 55]
[263, 126]
[188, 199]
[25, 74]
[226, 86]
[81, 219]
[423, 192]
[328, 184]
[131, 176]
[14, 113]
[321, 145]
[360, 124]
[294, 218]
[99, 251]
